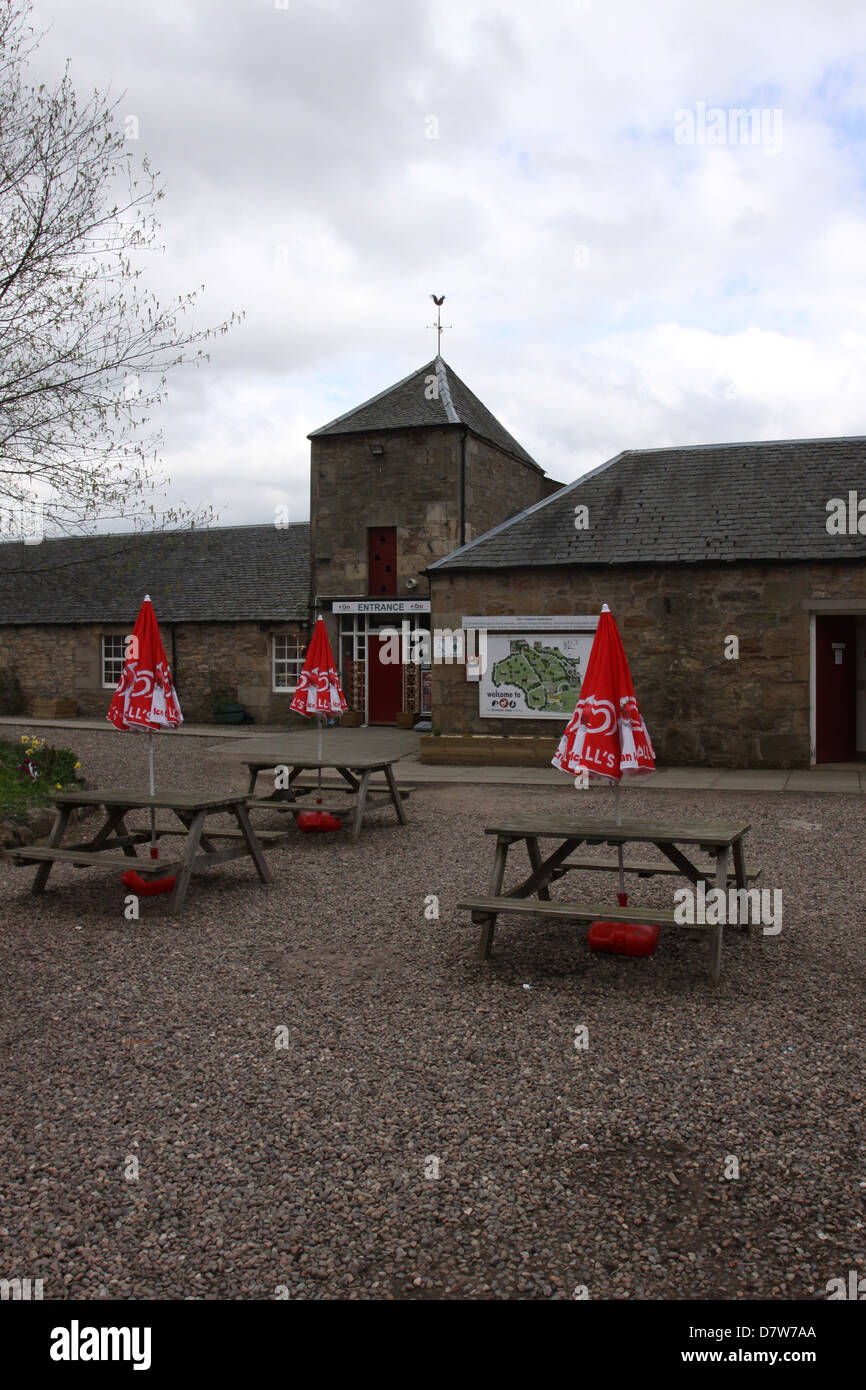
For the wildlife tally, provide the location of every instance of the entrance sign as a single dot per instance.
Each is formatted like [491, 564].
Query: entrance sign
[533, 674]
[381, 605]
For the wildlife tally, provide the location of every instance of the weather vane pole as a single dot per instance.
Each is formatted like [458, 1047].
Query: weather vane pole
[438, 325]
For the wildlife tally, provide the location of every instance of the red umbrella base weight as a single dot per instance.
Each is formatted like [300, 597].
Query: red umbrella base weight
[146, 888]
[625, 938]
[318, 820]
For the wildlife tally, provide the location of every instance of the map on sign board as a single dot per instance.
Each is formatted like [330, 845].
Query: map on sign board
[533, 675]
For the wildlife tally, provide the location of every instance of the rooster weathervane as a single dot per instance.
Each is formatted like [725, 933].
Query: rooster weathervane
[438, 300]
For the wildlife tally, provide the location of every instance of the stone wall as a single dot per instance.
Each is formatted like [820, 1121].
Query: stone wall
[231, 659]
[700, 708]
[414, 486]
[209, 660]
[498, 486]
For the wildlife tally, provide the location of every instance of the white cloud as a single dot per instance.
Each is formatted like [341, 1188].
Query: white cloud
[722, 294]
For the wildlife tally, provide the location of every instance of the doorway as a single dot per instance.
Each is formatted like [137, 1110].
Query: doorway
[835, 687]
[385, 679]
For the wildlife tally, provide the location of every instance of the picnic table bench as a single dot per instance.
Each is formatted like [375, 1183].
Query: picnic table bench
[360, 792]
[114, 844]
[532, 895]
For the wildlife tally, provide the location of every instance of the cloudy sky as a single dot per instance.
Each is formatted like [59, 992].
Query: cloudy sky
[624, 266]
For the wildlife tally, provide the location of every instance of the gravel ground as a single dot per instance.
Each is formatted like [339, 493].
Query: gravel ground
[310, 1169]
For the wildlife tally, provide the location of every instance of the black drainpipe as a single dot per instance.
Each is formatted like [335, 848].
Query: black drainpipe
[463, 435]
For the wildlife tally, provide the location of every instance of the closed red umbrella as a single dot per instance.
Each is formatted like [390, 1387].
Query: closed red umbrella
[319, 692]
[145, 697]
[606, 736]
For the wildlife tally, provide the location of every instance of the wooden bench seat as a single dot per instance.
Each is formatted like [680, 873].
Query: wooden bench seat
[485, 911]
[265, 837]
[375, 791]
[644, 868]
[578, 912]
[299, 808]
[337, 784]
[82, 858]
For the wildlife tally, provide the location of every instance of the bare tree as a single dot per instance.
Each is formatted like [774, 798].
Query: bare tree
[84, 347]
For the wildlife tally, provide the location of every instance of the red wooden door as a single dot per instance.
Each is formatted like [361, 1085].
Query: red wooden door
[835, 688]
[385, 682]
[382, 559]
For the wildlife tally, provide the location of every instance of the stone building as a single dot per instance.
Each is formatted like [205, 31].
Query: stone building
[396, 483]
[232, 606]
[736, 574]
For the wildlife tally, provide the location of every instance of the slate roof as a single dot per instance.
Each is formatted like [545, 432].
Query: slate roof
[708, 503]
[226, 574]
[405, 404]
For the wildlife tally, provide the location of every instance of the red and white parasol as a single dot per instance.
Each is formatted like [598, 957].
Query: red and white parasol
[318, 691]
[145, 697]
[606, 736]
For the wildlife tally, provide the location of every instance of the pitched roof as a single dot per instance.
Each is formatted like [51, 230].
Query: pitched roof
[406, 404]
[712, 502]
[228, 574]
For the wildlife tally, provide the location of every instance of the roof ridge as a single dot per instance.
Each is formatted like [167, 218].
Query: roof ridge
[751, 443]
[442, 370]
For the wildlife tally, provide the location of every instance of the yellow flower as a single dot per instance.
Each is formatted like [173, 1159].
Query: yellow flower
[29, 752]
[24, 738]
[77, 766]
[59, 786]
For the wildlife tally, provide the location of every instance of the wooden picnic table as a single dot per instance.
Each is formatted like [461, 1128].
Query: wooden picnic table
[356, 772]
[192, 809]
[532, 894]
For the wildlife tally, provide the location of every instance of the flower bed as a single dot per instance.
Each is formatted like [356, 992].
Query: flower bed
[31, 771]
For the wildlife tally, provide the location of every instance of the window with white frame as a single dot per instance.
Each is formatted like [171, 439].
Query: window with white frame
[113, 654]
[288, 658]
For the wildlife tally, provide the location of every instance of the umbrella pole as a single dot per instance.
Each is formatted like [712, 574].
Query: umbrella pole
[319, 722]
[623, 898]
[153, 849]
